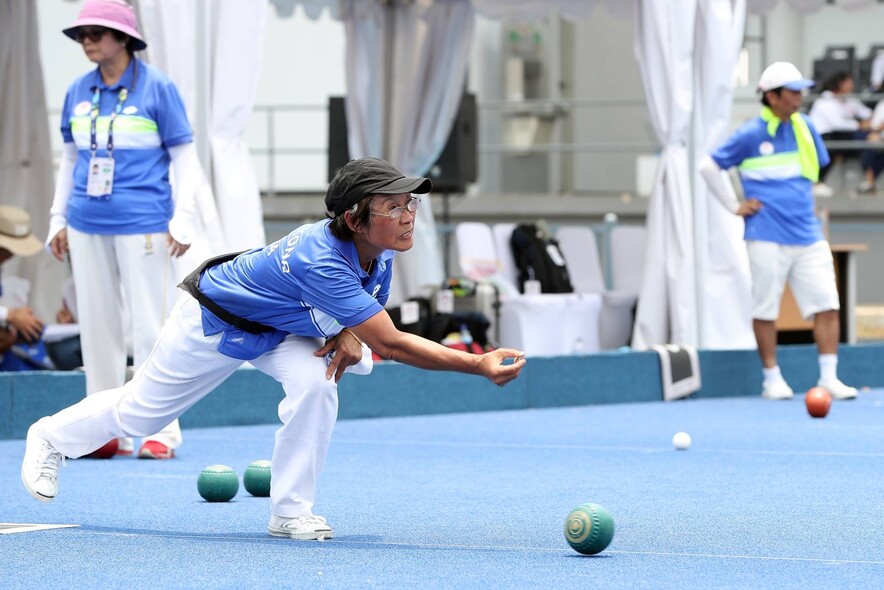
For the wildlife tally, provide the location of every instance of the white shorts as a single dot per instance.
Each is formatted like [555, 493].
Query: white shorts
[809, 270]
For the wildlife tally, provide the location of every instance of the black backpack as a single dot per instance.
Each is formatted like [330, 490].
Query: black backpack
[538, 257]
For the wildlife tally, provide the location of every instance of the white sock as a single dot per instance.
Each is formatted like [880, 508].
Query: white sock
[828, 367]
[772, 375]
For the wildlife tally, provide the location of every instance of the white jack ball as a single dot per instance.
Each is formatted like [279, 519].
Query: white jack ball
[681, 441]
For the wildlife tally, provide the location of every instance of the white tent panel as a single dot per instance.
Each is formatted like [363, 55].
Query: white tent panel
[238, 32]
[217, 80]
[664, 49]
[26, 170]
[723, 278]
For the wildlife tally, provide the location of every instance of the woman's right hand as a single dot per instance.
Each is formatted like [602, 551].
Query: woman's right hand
[59, 244]
[491, 365]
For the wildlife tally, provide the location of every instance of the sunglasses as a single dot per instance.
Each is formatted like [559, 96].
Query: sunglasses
[94, 34]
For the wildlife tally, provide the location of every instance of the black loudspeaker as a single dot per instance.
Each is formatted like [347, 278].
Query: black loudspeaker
[457, 165]
[338, 150]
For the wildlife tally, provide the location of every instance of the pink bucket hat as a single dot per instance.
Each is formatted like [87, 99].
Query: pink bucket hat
[113, 14]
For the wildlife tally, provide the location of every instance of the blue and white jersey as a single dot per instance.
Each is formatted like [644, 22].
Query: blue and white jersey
[153, 118]
[771, 172]
[308, 283]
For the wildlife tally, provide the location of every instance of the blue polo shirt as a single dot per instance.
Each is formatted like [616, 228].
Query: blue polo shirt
[770, 172]
[308, 283]
[152, 120]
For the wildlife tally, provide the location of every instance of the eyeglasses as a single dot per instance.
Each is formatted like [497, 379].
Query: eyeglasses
[396, 212]
[94, 34]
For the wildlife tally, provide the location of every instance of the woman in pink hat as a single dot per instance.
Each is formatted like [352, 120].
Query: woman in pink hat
[114, 209]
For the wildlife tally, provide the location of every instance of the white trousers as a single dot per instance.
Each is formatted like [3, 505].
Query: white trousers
[183, 367]
[106, 269]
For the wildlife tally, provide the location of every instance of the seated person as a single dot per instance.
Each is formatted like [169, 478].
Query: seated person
[873, 159]
[20, 344]
[838, 116]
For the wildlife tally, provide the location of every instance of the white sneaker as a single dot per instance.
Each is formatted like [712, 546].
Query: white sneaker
[39, 469]
[307, 527]
[838, 389]
[778, 389]
[821, 189]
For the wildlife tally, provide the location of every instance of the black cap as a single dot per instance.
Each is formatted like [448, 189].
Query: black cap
[369, 176]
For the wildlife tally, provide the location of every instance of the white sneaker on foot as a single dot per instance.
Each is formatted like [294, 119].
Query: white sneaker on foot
[307, 527]
[838, 389]
[39, 468]
[777, 389]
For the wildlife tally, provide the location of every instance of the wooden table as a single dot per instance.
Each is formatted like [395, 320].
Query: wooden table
[794, 329]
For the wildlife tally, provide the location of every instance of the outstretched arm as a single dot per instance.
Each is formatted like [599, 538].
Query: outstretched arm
[382, 336]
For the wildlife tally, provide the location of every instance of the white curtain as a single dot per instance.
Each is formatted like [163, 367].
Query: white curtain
[170, 27]
[26, 170]
[217, 77]
[406, 67]
[664, 39]
[366, 28]
[238, 41]
[723, 278]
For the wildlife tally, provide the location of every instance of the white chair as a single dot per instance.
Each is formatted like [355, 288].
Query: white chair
[477, 255]
[628, 257]
[578, 245]
[502, 234]
[541, 325]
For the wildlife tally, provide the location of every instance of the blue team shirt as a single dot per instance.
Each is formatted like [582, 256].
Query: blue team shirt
[308, 283]
[788, 215]
[153, 119]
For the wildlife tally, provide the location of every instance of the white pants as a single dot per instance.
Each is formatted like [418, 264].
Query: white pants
[139, 264]
[809, 270]
[183, 367]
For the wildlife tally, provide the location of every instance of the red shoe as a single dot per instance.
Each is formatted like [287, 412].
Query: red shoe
[155, 450]
[106, 452]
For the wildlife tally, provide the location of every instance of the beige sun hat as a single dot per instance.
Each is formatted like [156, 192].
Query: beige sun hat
[15, 232]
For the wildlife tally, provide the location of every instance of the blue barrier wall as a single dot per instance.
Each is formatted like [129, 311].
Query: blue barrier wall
[250, 397]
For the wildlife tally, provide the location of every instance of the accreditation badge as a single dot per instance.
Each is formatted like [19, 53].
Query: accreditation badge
[100, 177]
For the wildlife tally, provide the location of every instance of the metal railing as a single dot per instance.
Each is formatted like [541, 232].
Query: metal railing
[270, 149]
[544, 109]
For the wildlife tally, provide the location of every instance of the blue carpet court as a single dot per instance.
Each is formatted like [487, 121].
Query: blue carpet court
[765, 497]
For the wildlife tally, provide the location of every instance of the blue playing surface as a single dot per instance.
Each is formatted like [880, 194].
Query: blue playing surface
[766, 497]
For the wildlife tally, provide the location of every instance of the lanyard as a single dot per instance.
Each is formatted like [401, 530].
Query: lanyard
[122, 95]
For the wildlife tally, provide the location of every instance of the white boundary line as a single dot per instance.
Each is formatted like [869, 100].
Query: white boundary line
[502, 548]
[598, 448]
[154, 476]
[28, 528]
